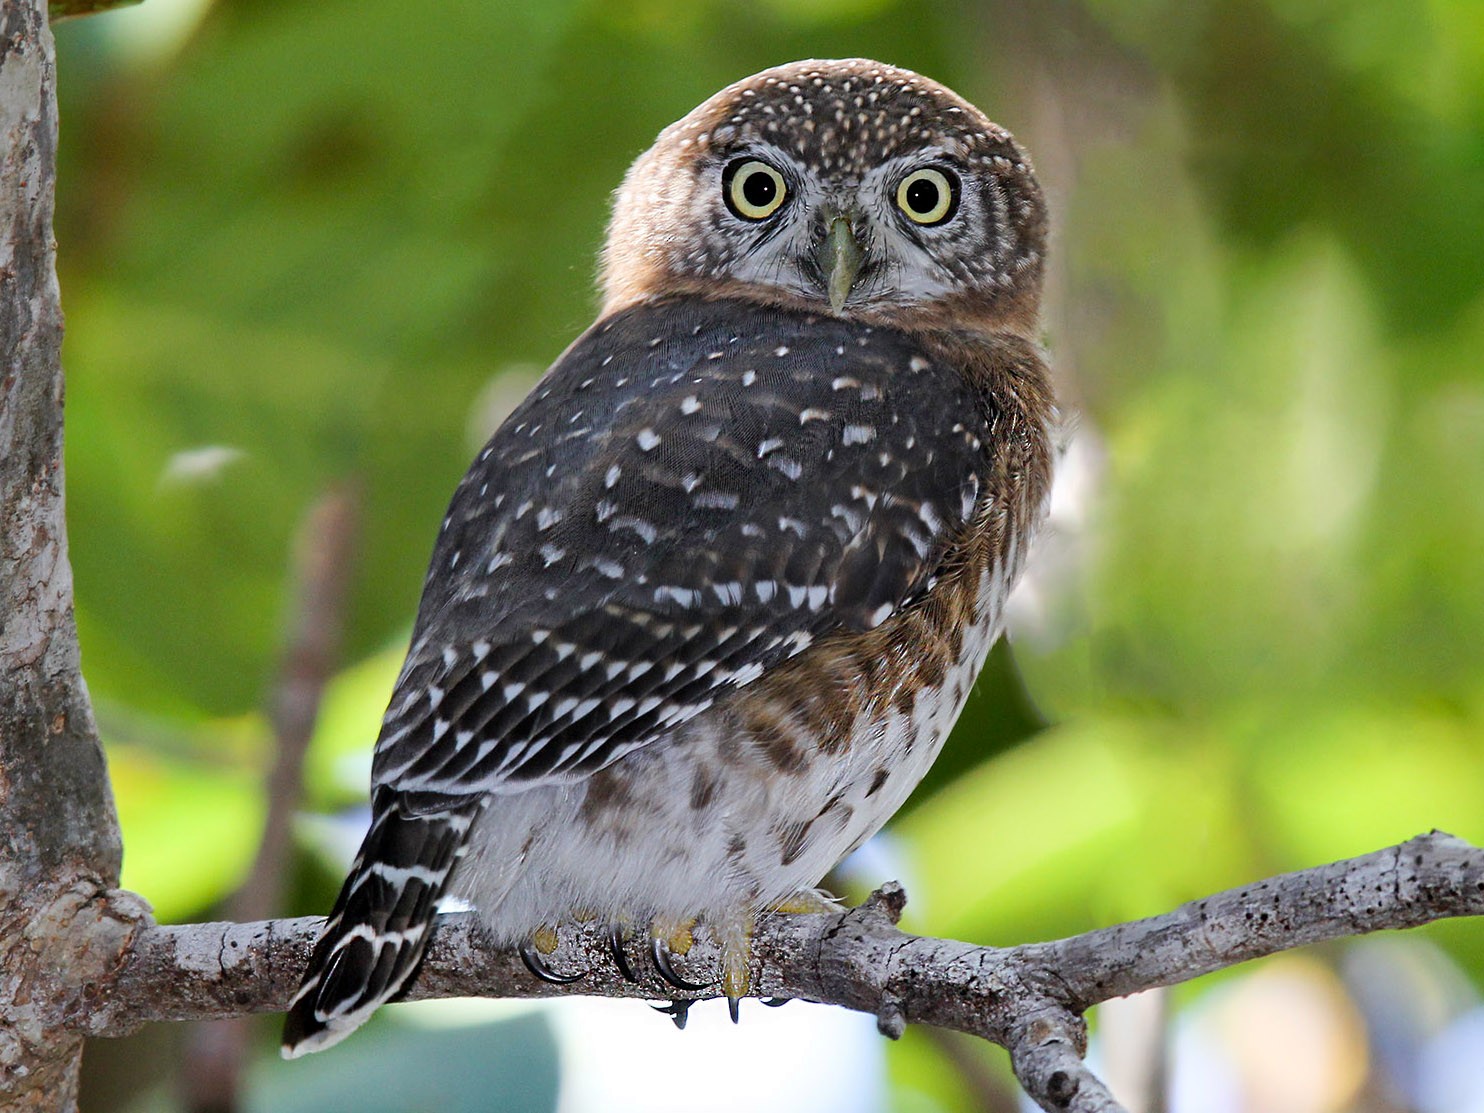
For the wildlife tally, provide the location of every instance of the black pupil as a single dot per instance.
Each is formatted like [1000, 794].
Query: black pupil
[759, 188]
[922, 196]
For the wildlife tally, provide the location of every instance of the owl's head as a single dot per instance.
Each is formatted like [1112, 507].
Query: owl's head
[849, 187]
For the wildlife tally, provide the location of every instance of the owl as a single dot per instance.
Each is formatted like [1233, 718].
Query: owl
[705, 607]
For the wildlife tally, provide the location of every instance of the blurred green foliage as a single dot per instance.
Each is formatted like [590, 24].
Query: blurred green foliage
[302, 241]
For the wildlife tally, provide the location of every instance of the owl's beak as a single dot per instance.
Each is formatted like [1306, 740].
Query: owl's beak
[840, 258]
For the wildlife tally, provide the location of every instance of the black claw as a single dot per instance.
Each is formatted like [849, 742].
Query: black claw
[536, 964]
[776, 1002]
[678, 1011]
[620, 959]
[660, 953]
[734, 1006]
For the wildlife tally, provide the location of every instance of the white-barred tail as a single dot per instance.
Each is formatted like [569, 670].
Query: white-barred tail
[376, 934]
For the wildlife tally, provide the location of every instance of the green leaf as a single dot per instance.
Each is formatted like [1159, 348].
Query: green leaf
[190, 828]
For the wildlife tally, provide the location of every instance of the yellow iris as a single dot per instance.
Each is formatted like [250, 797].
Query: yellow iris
[926, 196]
[756, 190]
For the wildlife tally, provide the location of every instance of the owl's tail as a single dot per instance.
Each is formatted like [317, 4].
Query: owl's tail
[376, 934]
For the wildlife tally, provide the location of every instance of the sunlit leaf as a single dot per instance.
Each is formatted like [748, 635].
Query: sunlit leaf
[190, 829]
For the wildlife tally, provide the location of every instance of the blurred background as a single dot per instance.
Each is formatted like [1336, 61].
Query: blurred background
[312, 250]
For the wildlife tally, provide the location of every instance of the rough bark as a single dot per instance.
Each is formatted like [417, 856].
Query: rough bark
[59, 840]
[1028, 999]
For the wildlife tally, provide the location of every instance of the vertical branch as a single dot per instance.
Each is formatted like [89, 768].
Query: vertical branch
[59, 838]
[321, 574]
[56, 811]
[322, 570]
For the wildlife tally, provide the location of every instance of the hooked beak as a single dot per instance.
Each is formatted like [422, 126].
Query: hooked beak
[840, 257]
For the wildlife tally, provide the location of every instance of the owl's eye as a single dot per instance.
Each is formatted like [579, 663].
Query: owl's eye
[753, 189]
[928, 196]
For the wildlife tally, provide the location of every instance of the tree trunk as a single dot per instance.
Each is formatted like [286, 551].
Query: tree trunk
[59, 839]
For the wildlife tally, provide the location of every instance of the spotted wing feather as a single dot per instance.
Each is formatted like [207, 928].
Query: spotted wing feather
[694, 493]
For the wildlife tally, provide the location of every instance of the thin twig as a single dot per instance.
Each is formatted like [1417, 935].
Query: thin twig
[987, 1092]
[212, 1064]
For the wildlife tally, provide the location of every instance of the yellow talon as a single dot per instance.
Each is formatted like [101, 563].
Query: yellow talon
[545, 939]
[736, 956]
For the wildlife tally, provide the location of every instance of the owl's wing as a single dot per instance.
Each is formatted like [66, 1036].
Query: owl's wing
[695, 492]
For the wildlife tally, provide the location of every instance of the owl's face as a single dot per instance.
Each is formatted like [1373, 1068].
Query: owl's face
[849, 187]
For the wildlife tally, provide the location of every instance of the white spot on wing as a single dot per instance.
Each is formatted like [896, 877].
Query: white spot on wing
[747, 673]
[638, 525]
[716, 500]
[787, 465]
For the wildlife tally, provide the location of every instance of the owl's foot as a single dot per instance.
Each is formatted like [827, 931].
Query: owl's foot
[735, 937]
[678, 1011]
[660, 955]
[617, 937]
[736, 945]
[668, 938]
[671, 938]
[734, 934]
[808, 902]
[533, 953]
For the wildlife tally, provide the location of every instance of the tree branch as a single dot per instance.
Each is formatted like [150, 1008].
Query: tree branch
[56, 810]
[1029, 999]
[59, 838]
